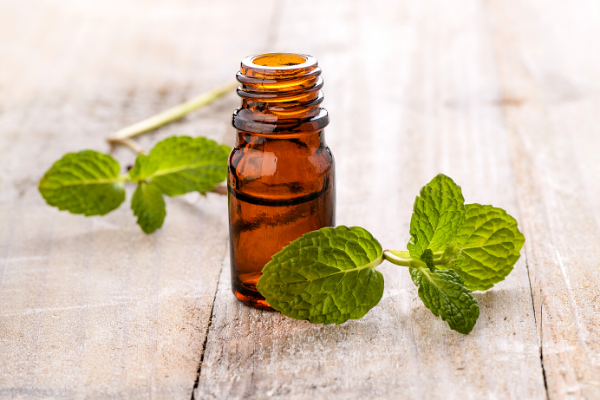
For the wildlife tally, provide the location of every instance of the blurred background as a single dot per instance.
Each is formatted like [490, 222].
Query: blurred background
[82, 69]
[74, 71]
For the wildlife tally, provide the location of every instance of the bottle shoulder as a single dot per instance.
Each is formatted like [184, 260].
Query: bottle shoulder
[259, 122]
[280, 170]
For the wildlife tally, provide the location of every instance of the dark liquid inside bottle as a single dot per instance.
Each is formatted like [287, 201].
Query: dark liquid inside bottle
[260, 227]
[281, 172]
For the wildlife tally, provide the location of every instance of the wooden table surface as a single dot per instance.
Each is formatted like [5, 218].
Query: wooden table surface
[502, 95]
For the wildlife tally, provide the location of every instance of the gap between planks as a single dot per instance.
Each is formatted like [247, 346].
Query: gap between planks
[210, 319]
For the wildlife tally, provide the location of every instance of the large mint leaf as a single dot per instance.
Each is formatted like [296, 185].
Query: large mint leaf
[326, 276]
[491, 243]
[148, 206]
[181, 164]
[85, 183]
[438, 212]
[445, 294]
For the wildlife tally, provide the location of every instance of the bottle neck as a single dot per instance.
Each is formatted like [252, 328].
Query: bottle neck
[281, 94]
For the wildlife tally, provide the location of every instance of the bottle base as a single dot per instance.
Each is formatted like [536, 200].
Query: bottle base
[245, 290]
[252, 301]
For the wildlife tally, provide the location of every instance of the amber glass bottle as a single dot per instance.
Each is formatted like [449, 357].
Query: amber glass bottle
[281, 172]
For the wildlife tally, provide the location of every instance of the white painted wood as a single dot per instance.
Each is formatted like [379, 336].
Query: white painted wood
[536, 69]
[501, 96]
[92, 307]
[412, 91]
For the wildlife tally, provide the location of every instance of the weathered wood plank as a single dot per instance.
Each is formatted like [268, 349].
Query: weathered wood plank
[92, 307]
[502, 97]
[412, 91]
[537, 67]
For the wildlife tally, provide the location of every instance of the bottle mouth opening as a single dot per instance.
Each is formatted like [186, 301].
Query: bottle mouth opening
[272, 65]
[280, 60]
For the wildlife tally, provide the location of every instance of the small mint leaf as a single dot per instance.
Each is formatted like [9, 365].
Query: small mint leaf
[491, 244]
[143, 168]
[326, 276]
[427, 258]
[85, 183]
[148, 206]
[445, 294]
[438, 212]
[181, 164]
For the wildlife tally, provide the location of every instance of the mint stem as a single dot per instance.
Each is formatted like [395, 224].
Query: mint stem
[128, 143]
[403, 259]
[123, 136]
[394, 259]
[400, 253]
[167, 116]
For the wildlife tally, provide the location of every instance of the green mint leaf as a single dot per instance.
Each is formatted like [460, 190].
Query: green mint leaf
[148, 206]
[85, 183]
[451, 251]
[326, 276]
[445, 294]
[491, 244]
[438, 212]
[181, 164]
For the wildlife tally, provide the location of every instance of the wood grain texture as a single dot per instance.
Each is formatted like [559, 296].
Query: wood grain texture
[403, 109]
[559, 218]
[92, 307]
[502, 96]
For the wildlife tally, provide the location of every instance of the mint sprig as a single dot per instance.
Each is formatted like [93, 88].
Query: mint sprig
[89, 183]
[328, 276]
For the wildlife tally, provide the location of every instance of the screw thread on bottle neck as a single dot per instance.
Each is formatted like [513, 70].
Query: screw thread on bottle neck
[281, 92]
